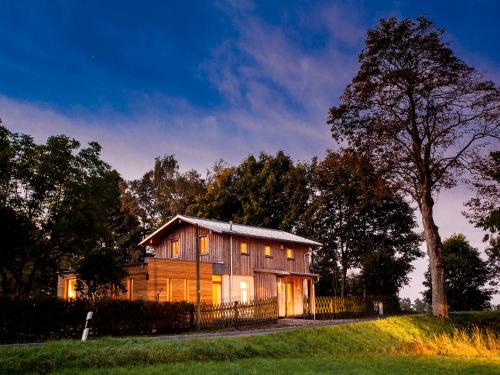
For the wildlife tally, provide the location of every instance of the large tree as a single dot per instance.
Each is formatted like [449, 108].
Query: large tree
[363, 225]
[269, 191]
[466, 276]
[164, 191]
[421, 113]
[59, 202]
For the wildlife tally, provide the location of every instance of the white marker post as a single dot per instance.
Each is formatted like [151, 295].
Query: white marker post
[380, 308]
[85, 333]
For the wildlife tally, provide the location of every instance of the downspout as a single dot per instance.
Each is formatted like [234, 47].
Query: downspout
[313, 283]
[230, 260]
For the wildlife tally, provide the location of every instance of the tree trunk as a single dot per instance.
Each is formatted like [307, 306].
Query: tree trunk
[435, 253]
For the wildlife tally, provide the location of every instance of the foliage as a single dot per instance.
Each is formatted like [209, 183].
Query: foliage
[369, 339]
[268, 191]
[466, 276]
[164, 192]
[58, 203]
[362, 223]
[50, 318]
[484, 208]
[421, 113]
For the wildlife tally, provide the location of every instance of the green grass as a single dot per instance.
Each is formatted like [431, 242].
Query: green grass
[360, 348]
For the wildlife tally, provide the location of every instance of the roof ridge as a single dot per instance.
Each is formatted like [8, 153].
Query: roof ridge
[243, 225]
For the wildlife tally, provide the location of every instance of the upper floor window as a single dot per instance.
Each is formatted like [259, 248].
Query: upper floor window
[243, 248]
[289, 253]
[267, 251]
[203, 245]
[175, 248]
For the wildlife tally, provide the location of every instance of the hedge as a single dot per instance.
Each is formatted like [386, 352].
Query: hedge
[43, 319]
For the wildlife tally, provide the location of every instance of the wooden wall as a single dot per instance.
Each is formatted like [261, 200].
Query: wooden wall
[163, 280]
[175, 280]
[219, 251]
[265, 285]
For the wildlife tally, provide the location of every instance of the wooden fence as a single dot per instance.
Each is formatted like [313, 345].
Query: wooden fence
[329, 307]
[236, 314]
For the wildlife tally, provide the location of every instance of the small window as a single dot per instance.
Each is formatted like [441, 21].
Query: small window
[243, 248]
[130, 288]
[175, 249]
[203, 245]
[70, 291]
[267, 251]
[289, 253]
[244, 291]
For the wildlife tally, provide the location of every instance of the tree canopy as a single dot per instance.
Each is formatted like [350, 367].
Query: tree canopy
[422, 114]
[466, 276]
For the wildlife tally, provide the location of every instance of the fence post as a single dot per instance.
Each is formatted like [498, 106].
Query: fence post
[236, 314]
[85, 333]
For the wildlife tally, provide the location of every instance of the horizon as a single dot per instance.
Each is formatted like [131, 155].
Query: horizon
[208, 82]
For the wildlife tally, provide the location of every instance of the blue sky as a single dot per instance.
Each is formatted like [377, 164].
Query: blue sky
[208, 80]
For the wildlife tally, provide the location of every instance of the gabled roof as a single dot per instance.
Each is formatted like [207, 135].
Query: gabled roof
[237, 229]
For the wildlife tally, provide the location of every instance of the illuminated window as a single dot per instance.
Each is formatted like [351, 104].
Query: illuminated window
[267, 251]
[130, 288]
[243, 248]
[203, 245]
[175, 249]
[70, 288]
[244, 286]
[289, 253]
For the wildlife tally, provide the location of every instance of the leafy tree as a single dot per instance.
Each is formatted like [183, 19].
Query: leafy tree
[62, 202]
[164, 192]
[362, 224]
[421, 113]
[466, 276]
[270, 191]
[484, 208]
[421, 306]
[406, 305]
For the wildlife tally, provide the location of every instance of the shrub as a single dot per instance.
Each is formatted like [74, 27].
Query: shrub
[43, 319]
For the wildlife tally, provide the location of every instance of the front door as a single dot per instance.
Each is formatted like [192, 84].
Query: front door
[289, 299]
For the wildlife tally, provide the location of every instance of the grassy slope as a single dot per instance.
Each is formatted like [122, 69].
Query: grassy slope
[360, 348]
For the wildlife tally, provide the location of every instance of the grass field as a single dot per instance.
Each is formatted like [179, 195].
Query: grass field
[398, 345]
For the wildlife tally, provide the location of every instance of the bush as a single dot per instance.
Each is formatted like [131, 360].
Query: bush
[43, 319]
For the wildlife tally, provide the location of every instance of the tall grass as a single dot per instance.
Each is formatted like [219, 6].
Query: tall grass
[460, 342]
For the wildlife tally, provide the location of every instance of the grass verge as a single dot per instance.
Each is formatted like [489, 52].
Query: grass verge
[356, 344]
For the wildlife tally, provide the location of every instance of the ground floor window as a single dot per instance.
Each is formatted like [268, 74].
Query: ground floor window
[70, 288]
[130, 288]
[244, 286]
[216, 289]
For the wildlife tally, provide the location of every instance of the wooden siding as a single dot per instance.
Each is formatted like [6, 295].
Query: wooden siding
[219, 251]
[265, 285]
[162, 280]
[175, 280]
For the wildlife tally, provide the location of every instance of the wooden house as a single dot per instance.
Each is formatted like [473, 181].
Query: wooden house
[237, 263]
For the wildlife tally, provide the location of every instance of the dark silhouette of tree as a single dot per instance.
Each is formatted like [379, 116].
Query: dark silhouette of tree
[484, 208]
[269, 191]
[362, 224]
[58, 204]
[466, 276]
[421, 113]
[164, 192]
